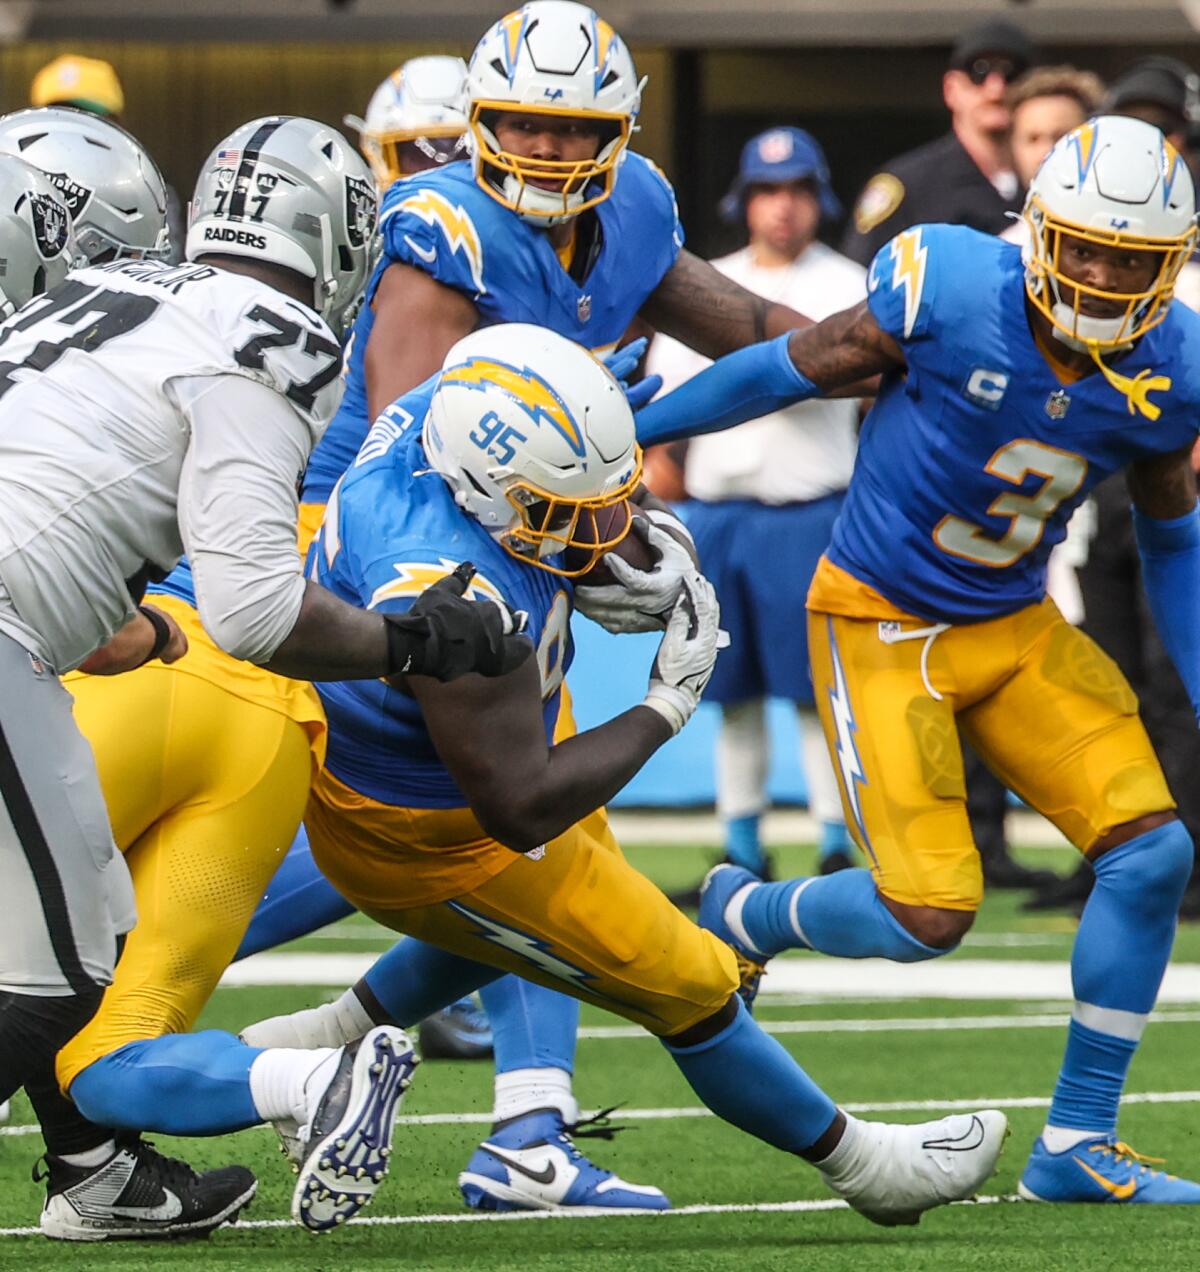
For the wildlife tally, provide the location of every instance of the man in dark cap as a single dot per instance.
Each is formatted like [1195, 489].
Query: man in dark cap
[966, 176]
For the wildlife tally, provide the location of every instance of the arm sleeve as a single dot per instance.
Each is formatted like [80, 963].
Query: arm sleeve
[1170, 553]
[740, 386]
[237, 510]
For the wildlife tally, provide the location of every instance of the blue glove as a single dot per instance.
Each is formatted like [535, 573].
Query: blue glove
[740, 386]
[623, 363]
[1170, 553]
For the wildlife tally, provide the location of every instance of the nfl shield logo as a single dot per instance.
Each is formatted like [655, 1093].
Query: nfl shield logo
[583, 307]
[1057, 404]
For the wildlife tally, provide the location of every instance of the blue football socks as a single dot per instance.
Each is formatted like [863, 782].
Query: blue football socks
[180, 1084]
[1120, 955]
[835, 838]
[532, 1027]
[743, 845]
[840, 914]
[746, 1077]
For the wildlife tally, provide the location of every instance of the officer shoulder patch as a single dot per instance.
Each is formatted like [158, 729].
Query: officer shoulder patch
[881, 196]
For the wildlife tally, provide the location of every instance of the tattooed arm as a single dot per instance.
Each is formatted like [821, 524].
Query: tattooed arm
[831, 357]
[711, 313]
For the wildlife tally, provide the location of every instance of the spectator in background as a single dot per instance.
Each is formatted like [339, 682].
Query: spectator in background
[965, 177]
[92, 85]
[1044, 105]
[766, 494]
[1166, 93]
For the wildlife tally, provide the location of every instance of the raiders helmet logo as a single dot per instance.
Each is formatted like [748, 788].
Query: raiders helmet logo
[50, 225]
[360, 211]
[75, 196]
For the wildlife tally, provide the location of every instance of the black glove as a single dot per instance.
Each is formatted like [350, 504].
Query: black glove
[445, 636]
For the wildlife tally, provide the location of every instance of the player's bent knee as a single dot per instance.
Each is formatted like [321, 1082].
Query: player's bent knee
[937, 929]
[707, 1028]
[1153, 864]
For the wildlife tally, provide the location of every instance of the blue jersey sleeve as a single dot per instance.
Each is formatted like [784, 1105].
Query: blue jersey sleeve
[654, 196]
[425, 223]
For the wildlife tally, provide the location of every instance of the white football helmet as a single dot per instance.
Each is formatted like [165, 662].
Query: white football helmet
[421, 108]
[551, 57]
[36, 244]
[1116, 182]
[534, 436]
[114, 190]
[290, 191]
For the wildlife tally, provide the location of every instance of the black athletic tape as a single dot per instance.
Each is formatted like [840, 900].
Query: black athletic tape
[162, 632]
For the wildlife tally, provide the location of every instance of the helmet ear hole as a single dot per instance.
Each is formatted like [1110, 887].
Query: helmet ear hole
[345, 259]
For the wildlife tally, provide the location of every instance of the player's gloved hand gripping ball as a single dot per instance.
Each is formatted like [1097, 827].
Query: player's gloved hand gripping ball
[687, 653]
[639, 600]
[445, 636]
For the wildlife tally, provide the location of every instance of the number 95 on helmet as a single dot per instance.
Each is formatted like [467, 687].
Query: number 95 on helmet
[536, 439]
[294, 193]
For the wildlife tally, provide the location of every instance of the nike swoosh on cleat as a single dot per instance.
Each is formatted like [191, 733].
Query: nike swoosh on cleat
[1122, 1192]
[544, 1176]
[164, 1212]
[970, 1139]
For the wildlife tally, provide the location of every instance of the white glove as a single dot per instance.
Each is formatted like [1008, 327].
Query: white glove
[687, 653]
[641, 599]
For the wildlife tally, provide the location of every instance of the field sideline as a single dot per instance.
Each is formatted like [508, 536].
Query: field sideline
[738, 1204]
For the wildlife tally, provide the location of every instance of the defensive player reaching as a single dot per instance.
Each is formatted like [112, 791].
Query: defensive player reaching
[555, 221]
[145, 408]
[1013, 384]
[452, 815]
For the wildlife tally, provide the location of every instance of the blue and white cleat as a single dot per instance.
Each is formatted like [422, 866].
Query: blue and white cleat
[1103, 1170]
[347, 1143]
[722, 895]
[461, 1031]
[531, 1163]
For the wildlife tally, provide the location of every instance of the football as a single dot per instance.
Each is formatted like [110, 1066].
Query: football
[632, 548]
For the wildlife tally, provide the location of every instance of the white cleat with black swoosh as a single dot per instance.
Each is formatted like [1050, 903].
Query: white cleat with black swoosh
[893, 1173]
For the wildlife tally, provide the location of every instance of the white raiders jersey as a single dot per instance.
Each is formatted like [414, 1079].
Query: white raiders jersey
[95, 384]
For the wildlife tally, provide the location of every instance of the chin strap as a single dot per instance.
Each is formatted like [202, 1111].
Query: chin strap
[1136, 390]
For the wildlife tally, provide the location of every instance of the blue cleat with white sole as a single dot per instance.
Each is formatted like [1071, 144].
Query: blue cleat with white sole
[1102, 1170]
[531, 1163]
[722, 895]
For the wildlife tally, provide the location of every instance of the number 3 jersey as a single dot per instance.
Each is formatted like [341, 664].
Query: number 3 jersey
[972, 460]
[391, 529]
[99, 384]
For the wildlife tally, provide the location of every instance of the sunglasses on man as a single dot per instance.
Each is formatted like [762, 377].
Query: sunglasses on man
[981, 68]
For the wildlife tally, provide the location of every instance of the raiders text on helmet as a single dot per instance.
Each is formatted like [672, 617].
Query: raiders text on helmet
[113, 189]
[291, 192]
[534, 436]
[421, 105]
[557, 58]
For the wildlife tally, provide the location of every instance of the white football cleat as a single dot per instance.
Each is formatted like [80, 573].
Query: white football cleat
[892, 1174]
[346, 1143]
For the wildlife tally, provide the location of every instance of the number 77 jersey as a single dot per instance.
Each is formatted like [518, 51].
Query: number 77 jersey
[973, 459]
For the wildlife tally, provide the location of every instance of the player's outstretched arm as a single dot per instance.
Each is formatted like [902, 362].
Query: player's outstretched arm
[815, 361]
[1167, 523]
[417, 320]
[491, 735]
[711, 313]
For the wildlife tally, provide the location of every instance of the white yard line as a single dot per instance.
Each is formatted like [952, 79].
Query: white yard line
[484, 1117]
[807, 976]
[575, 1212]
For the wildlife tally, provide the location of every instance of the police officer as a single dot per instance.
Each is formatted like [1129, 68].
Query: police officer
[966, 176]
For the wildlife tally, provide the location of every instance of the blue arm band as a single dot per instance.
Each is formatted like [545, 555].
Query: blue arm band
[1170, 553]
[740, 386]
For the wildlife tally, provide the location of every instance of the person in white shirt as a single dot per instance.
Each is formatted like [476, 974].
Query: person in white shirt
[765, 494]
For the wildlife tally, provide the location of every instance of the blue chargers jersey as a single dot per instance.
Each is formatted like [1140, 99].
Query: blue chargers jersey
[972, 461]
[443, 223]
[391, 529]
[178, 583]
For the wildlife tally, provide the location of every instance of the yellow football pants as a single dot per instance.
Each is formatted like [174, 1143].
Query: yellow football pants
[578, 919]
[205, 791]
[1047, 709]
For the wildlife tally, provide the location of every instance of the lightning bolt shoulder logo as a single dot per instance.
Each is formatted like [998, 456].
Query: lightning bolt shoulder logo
[849, 762]
[524, 387]
[413, 577]
[908, 272]
[456, 227]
